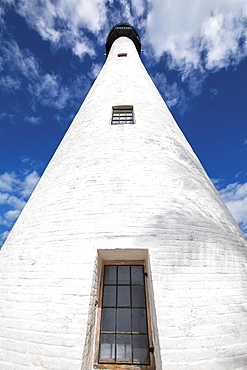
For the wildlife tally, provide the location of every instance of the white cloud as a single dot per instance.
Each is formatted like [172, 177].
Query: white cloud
[185, 29]
[95, 70]
[243, 147]
[12, 200]
[3, 237]
[8, 181]
[48, 86]
[9, 2]
[80, 48]
[3, 5]
[48, 91]
[3, 198]
[238, 174]
[216, 182]
[33, 120]
[67, 22]
[15, 202]
[20, 64]
[20, 61]
[139, 7]
[4, 222]
[29, 183]
[61, 22]
[214, 92]
[172, 93]
[234, 192]
[12, 214]
[14, 191]
[222, 33]
[235, 197]
[24, 70]
[198, 36]
[10, 83]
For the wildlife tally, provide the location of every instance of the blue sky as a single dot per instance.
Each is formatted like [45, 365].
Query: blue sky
[52, 51]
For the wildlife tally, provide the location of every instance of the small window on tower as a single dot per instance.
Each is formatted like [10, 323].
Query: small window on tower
[122, 55]
[122, 115]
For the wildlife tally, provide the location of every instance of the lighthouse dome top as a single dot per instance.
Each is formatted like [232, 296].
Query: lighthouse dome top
[123, 29]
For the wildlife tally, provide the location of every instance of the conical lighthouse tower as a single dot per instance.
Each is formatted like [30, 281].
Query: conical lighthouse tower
[125, 256]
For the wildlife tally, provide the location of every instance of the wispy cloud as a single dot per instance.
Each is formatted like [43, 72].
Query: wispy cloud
[173, 94]
[139, 7]
[28, 184]
[33, 120]
[214, 92]
[15, 189]
[4, 6]
[185, 30]
[3, 236]
[10, 83]
[32, 165]
[62, 22]
[17, 66]
[238, 174]
[12, 215]
[197, 37]
[22, 71]
[68, 23]
[8, 181]
[17, 186]
[19, 61]
[217, 182]
[48, 91]
[235, 197]
[95, 70]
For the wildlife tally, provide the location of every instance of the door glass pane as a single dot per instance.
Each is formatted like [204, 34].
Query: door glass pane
[137, 275]
[123, 274]
[123, 319]
[138, 296]
[107, 348]
[110, 275]
[123, 298]
[139, 321]
[140, 349]
[108, 319]
[109, 296]
[123, 348]
[123, 337]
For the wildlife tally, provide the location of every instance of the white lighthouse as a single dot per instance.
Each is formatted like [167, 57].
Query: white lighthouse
[125, 256]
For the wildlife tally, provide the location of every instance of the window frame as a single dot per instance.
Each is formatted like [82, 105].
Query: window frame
[125, 121]
[119, 366]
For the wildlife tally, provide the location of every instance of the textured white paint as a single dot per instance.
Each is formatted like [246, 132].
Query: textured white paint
[137, 187]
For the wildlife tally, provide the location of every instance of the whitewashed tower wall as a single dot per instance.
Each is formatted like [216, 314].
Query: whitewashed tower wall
[111, 188]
